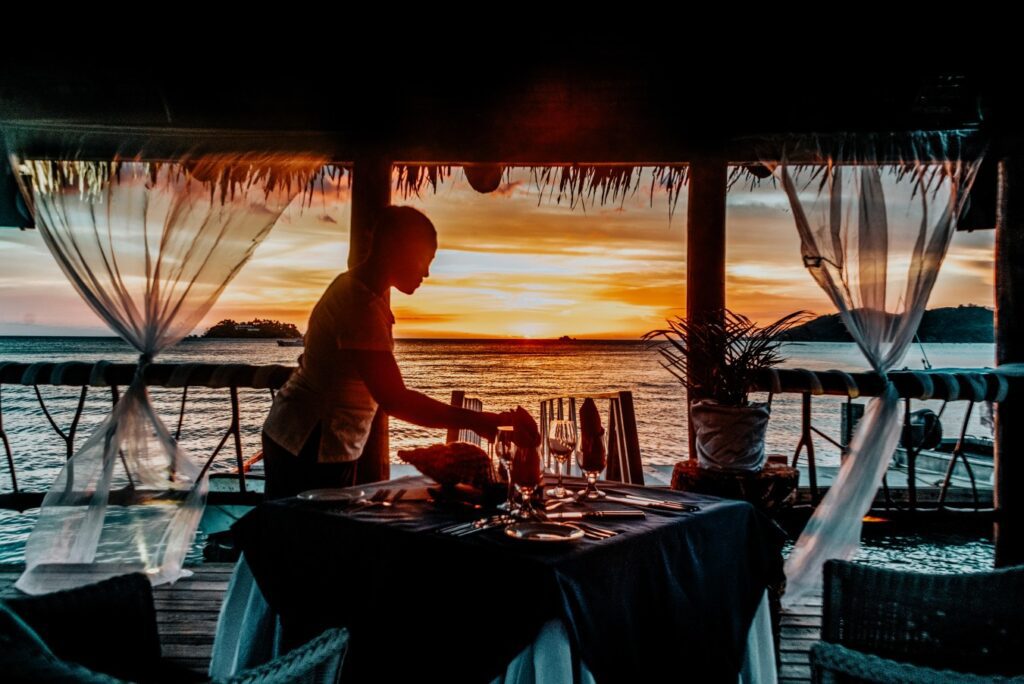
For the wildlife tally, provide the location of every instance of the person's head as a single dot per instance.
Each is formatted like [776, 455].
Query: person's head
[404, 242]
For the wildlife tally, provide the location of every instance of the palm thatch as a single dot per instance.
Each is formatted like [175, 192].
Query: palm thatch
[223, 175]
[926, 158]
[578, 184]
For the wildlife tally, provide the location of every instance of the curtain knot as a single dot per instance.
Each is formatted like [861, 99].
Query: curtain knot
[143, 363]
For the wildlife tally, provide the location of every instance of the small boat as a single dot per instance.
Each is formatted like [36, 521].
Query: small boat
[931, 464]
[294, 342]
[935, 453]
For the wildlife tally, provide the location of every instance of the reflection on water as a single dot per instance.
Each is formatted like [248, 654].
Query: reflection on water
[931, 552]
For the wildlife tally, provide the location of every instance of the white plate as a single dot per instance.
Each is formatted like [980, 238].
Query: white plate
[543, 532]
[333, 495]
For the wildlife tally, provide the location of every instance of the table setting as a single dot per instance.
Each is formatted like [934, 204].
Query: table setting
[489, 577]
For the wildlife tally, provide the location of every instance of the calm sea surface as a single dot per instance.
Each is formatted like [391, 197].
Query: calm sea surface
[503, 374]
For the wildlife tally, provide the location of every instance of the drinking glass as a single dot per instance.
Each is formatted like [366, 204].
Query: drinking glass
[504, 449]
[561, 443]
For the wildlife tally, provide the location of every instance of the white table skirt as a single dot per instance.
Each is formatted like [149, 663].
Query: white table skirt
[248, 635]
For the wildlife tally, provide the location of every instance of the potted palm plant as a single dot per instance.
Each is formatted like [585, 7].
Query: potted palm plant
[718, 360]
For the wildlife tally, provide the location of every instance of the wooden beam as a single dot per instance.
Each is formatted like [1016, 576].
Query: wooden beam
[705, 246]
[1009, 434]
[371, 191]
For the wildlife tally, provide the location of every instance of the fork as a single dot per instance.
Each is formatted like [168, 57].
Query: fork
[394, 499]
[378, 498]
[591, 531]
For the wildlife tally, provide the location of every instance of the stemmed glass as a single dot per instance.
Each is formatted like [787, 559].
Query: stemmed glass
[592, 459]
[561, 443]
[504, 449]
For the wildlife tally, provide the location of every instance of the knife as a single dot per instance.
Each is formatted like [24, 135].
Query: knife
[646, 503]
[637, 497]
[583, 515]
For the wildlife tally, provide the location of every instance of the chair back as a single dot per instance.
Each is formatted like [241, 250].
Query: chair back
[460, 400]
[624, 461]
[969, 622]
[316, 662]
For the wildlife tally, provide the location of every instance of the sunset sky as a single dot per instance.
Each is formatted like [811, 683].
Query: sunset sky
[509, 264]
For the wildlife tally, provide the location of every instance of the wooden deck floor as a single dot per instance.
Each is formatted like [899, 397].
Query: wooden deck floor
[801, 627]
[186, 614]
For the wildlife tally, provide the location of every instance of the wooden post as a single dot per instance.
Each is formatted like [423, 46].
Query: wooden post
[371, 191]
[1009, 433]
[705, 248]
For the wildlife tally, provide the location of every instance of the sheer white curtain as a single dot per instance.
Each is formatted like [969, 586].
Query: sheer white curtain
[149, 246]
[873, 236]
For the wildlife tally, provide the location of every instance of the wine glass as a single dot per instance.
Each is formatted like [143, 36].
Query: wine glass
[592, 459]
[504, 449]
[526, 476]
[561, 443]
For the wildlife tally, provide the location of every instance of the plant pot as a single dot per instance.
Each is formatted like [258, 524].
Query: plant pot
[730, 438]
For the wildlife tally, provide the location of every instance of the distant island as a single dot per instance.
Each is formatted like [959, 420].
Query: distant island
[966, 323]
[259, 328]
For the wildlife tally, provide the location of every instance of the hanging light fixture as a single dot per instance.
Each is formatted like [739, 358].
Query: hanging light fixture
[484, 178]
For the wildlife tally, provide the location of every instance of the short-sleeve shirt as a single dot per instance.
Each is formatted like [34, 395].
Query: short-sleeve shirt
[327, 387]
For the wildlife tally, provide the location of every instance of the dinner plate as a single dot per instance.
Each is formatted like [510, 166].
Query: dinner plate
[333, 495]
[543, 532]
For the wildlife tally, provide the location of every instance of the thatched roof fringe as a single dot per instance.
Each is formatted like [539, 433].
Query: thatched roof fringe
[221, 175]
[576, 183]
[411, 177]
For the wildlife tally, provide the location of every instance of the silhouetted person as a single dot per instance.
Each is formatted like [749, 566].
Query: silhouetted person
[320, 419]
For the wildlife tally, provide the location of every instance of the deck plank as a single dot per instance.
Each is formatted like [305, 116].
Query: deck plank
[801, 629]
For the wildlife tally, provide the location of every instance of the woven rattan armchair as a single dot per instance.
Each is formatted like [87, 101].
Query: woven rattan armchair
[886, 625]
[106, 633]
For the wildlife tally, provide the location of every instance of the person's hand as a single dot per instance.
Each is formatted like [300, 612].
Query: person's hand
[506, 418]
[486, 424]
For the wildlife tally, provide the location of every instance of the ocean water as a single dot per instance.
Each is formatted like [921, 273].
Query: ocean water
[503, 374]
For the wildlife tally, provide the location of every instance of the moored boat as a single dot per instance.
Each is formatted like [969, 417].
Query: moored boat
[932, 464]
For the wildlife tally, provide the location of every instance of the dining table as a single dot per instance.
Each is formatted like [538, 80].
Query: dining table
[677, 593]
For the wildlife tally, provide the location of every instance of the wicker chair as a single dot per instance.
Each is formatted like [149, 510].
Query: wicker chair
[886, 625]
[106, 633]
[316, 662]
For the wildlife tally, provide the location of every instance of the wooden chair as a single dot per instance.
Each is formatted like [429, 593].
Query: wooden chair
[460, 400]
[624, 461]
[888, 625]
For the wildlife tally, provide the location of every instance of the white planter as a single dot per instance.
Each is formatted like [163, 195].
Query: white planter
[730, 438]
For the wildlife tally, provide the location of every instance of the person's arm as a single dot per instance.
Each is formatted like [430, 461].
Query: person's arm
[380, 372]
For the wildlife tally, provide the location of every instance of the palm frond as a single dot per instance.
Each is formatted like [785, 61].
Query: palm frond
[721, 357]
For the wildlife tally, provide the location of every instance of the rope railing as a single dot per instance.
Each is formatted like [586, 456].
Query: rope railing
[103, 374]
[971, 385]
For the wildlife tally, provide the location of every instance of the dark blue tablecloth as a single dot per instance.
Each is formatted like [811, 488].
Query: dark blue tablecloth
[671, 595]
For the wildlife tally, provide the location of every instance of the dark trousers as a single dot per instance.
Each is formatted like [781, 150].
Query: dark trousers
[288, 474]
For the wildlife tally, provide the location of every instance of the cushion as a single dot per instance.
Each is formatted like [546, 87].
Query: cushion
[109, 626]
[25, 658]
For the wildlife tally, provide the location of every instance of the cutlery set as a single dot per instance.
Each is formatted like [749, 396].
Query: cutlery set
[379, 498]
[385, 499]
